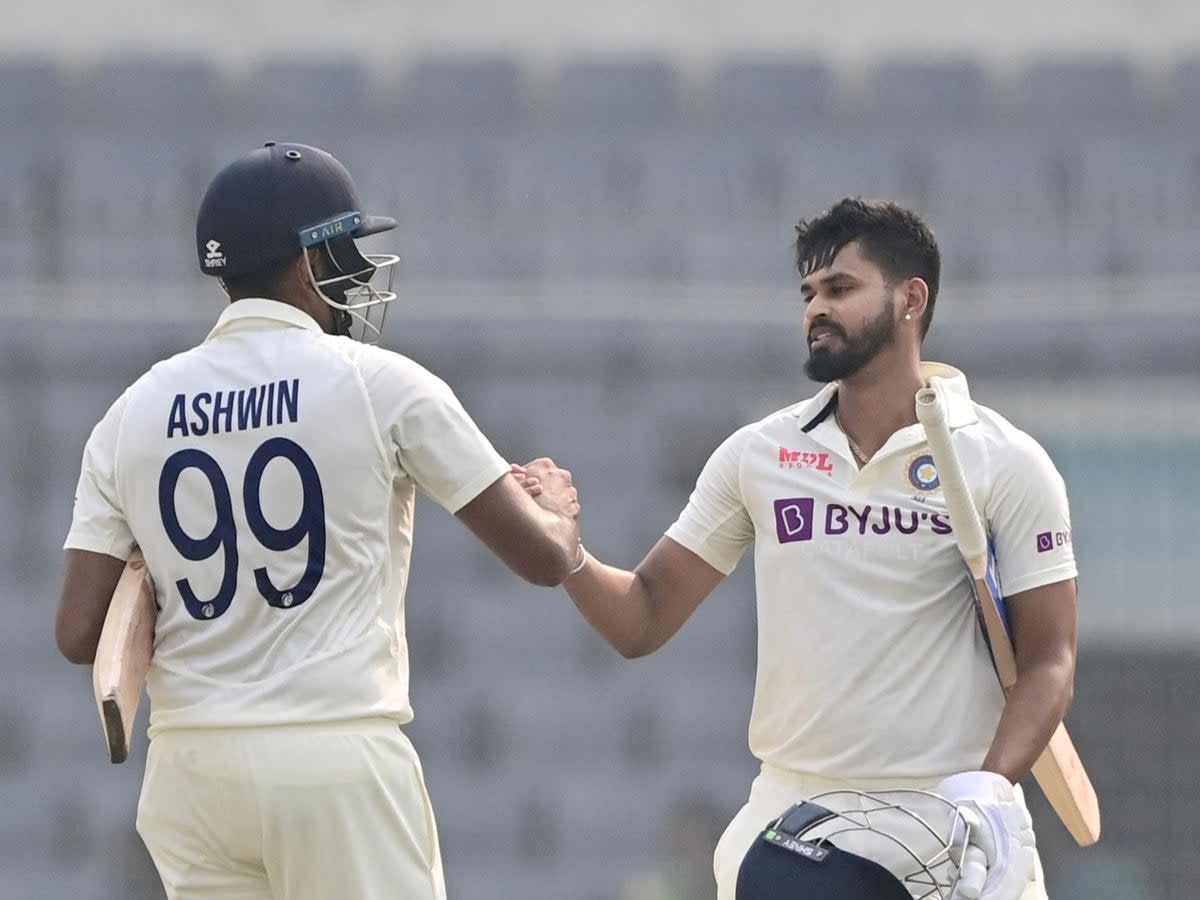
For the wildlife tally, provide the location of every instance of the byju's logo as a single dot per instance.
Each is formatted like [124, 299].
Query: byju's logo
[1048, 540]
[214, 259]
[794, 519]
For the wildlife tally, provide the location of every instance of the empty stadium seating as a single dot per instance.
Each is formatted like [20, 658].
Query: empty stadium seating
[1090, 95]
[485, 97]
[763, 95]
[607, 97]
[936, 96]
[617, 169]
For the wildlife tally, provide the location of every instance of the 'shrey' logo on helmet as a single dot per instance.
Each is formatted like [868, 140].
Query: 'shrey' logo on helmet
[214, 259]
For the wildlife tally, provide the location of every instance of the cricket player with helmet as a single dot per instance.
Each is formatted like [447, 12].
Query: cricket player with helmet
[872, 671]
[268, 475]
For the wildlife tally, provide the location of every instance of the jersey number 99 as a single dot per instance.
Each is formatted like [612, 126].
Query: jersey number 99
[309, 524]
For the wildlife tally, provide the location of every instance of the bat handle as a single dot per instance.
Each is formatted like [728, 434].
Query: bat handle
[964, 517]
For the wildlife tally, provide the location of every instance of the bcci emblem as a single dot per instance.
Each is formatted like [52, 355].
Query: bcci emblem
[923, 474]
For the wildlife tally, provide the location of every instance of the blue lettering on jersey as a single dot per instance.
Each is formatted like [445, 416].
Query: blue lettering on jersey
[223, 409]
[200, 423]
[276, 403]
[177, 418]
[289, 401]
[250, 408]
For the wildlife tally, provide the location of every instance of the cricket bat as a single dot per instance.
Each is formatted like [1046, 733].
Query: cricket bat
[1058, 771]
[123, 655]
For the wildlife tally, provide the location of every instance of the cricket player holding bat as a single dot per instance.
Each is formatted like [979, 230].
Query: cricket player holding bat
[873, 673]
[268, 477]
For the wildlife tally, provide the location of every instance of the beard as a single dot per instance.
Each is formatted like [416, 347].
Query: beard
[826, 365]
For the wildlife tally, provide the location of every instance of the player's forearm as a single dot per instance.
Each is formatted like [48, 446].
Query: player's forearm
[560, 549]
[616, 603]
[88, 584]
[78, 647]
[1035, 707]
[538, 541]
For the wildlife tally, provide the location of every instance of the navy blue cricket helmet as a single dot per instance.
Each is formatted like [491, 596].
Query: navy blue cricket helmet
[852, 845]
[281, 199]
[257, 207]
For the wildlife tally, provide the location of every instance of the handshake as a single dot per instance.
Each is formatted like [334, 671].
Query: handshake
[551, 486]
[995, 835]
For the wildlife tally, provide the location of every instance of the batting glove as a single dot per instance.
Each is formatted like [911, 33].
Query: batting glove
[998, 857]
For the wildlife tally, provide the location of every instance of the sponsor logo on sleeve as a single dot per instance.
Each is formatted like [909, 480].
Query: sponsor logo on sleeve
[1048, 540]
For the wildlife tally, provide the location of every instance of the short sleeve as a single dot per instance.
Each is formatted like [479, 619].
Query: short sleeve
[440, 447]
[1029, 519]
[98, 523]
[715, 524]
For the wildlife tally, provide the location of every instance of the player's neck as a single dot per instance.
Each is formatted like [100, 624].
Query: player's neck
[878, 400]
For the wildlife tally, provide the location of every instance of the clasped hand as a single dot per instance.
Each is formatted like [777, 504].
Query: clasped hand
[994, 834]
[551, 486]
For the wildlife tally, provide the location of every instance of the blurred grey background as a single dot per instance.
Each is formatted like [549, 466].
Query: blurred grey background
[596, 206]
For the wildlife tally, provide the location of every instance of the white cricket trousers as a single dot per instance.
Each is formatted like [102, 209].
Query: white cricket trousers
[306, 812]
[772, 792]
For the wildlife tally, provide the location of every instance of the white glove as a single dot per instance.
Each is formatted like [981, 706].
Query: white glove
[998, 860]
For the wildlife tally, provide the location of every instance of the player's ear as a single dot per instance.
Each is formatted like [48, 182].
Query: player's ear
[914, 298]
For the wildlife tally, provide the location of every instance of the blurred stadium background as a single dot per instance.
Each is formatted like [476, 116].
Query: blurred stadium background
[595, 212]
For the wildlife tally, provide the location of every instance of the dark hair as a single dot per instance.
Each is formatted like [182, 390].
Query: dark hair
[264, 282]
[892, 237]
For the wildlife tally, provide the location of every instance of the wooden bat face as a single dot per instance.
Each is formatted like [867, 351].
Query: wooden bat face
[123, 655]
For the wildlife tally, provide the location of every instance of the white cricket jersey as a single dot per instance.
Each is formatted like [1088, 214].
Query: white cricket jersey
[870, 660]
[269, 476]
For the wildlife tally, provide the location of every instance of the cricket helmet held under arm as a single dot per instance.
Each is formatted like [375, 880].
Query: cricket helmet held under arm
[888, 845]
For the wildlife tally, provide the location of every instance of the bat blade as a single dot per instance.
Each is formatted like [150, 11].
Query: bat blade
[1058, 770]
[1060, 773]
[123, 655]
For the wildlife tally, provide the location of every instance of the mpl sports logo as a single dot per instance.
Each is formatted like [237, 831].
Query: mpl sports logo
[1048, 540]
[796, 519]
[804, 459]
